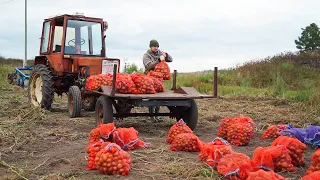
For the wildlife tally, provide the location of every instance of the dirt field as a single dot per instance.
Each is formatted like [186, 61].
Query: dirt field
[38, 144]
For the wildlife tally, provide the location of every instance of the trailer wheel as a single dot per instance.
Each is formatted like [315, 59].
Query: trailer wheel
[41, 87]
[74, 102]
[104, 110]
[190, 116]
[89, 103]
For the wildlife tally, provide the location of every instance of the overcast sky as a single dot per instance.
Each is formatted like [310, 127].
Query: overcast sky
[199, 34]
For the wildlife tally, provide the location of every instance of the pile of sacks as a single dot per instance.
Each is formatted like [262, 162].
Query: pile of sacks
[284, 153]
[108, 146]
[135, 83]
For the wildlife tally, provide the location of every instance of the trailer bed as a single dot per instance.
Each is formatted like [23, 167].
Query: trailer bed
[180, 93]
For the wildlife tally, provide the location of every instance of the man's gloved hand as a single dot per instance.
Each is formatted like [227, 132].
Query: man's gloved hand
[164, 54]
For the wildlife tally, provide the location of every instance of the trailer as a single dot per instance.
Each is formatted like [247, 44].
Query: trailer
[108, 104]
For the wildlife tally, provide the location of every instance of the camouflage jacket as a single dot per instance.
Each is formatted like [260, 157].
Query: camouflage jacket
[151, 59]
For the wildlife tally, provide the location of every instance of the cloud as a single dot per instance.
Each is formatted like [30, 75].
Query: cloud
[198, 34]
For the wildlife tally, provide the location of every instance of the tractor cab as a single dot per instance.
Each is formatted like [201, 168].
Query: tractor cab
[72, 42]
[73, 35]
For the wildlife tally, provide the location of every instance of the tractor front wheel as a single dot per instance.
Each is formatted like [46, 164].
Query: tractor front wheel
[74, 102]
[41, 87]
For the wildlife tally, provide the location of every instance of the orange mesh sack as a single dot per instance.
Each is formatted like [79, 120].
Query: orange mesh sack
[219, 141]
[127, 139]
[94, 135]
[96, 81]
[211, 153]
[157, 75]
[143, 83]
[228, 121]
[229, 165]
[273, 131]
[93, 83]
[274, 158]
[186, 142]
[315, 162]
[102, 131]
[163, 67]
[240, 134]
[178, 128]
[264, 175]
[125, 85]
[312, 176]
[224, 124]
[106, 131]
[113, 160]
[296, 148]
[92, 150]
[158, 84]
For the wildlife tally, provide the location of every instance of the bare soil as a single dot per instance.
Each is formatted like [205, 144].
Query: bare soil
[38, 144]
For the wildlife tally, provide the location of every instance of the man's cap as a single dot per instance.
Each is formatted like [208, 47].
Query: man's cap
[154, 43]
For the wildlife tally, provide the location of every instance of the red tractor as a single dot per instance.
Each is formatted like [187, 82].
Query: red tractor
[72, 48]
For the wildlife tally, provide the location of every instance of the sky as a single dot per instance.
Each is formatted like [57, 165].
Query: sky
[199, 35]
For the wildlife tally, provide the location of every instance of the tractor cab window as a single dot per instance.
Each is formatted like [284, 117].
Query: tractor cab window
[83, 37]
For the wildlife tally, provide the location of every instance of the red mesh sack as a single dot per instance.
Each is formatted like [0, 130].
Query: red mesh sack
[127, 139]
[163, 67]
[230, 164]
[228, 121]
[219, 141]
[113, 160]
[186, 142]
[264, 175]
[240, 134]
[211, 153]
[273, 131]
[274, 158]
[312, 176]
[92, 150]
[102, 131]
[158, 84]
[157, 75]
[143, 83]
[105, 130]
[315, 162]
[125, 84]
[94, 135]
[178, 128]
[296, 148]
[92, 83]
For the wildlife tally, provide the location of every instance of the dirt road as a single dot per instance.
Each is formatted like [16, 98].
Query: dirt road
[38, 144]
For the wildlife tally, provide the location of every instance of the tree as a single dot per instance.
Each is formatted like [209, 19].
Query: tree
[131, 68]
[310, 38]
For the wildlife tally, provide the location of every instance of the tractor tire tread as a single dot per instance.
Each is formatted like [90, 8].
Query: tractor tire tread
[76, 93]
[47, 85]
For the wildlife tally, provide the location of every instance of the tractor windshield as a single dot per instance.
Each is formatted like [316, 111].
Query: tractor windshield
[83, 37]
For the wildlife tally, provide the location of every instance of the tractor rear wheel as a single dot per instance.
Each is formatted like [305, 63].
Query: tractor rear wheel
[104, 110]
[74, 102]
[41, 87]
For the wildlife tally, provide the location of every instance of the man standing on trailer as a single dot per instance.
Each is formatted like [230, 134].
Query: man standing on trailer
[150, 59]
